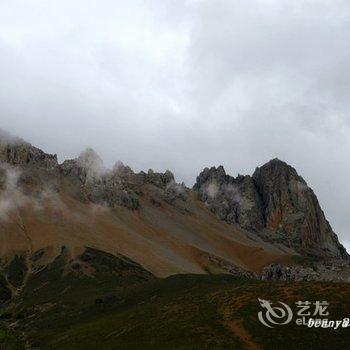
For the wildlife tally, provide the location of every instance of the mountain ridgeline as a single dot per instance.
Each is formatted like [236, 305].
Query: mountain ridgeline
[223, 224]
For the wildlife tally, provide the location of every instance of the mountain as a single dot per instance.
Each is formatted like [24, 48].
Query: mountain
[147, 217]
[223, 224]
[93, 258]
[276, 203]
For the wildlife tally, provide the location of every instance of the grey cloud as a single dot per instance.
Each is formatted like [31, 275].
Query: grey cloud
[184, 85]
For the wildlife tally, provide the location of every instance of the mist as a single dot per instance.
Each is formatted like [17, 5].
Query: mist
[184, 85]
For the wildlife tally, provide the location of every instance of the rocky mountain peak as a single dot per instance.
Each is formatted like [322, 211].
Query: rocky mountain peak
[276, 201]
[278, 169]
[292, 209]
[217, 174]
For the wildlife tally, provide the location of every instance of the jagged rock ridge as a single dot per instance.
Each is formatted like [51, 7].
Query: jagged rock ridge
[86, 176]
[276, 201]
[119, 186]
[234, 200]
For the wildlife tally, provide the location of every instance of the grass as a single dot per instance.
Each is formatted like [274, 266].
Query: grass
[180, 312]
[304, 261]
[129, 309]
[10, 340]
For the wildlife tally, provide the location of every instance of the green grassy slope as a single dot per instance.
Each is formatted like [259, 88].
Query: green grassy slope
[130, 309]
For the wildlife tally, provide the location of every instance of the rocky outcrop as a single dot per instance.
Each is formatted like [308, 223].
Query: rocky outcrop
[230, 268]
[275, 202]
[119, 186]
[15, 151]
[234, 200]
[96, 184]
[277, 272]
[25, 165]
[291, 208]
[334, 272]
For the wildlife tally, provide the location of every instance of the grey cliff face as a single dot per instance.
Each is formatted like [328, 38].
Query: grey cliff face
[234, 200]
[291, 207]
[276, 200]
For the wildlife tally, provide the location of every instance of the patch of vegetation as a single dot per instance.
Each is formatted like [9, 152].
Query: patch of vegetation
[9, 340]
[16, 271]
[304, 261]
[117, 309]
[5, 293]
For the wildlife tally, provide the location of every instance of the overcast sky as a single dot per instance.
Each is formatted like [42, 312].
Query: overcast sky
[181, 85]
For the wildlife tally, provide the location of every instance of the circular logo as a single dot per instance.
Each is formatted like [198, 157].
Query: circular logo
[274, 315]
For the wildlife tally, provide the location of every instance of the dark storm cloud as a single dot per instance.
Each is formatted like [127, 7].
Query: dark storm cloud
[185, 84]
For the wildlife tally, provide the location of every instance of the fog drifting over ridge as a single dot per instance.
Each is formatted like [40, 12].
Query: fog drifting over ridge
[183, 85]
